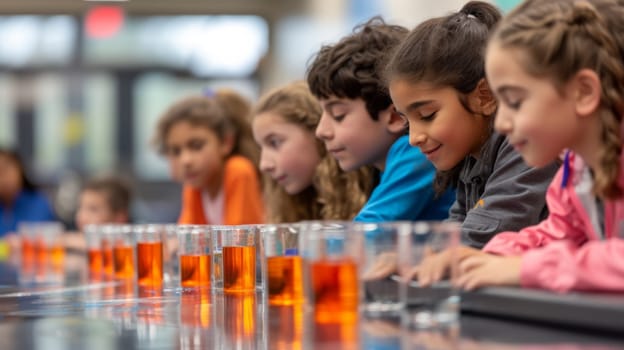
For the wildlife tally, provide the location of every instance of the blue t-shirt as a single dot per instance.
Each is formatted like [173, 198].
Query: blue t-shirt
[405, 191]
[29, 206]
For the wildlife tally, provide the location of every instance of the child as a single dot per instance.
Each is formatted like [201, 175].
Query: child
[359, 126]
[207, 141]
[556, 67]
[295, 162]
[103, 200]
[437, 82]
[20, 200]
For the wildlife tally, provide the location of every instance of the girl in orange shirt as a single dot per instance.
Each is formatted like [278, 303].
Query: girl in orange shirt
[207, 141]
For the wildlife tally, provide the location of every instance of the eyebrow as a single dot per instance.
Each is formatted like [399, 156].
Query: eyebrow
[332, 103]
[415, 105]
[506, 88]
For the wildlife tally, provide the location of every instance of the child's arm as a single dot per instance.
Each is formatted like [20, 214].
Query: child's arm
[243, 196]
[563, 222]
[512, 197]
[560, 266]
[405, 190]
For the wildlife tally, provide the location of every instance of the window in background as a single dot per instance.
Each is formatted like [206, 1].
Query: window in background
[8, 100]
[222, 46]
[30, 41]
[100, 119]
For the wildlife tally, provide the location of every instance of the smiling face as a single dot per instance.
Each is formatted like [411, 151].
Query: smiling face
[289, 153]
[352, 136]
[538, 120]
[196, 155]
[438, 123]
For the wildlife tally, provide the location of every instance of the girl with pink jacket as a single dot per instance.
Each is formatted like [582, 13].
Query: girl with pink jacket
[556, 68]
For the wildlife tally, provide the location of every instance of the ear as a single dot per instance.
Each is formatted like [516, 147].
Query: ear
[481, 100]
[587, 91]
[227, 144]
[394, 122]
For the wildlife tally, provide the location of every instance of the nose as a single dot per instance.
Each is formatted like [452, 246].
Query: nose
[417, 137]
[267, 165]
[502, 122]
[324, 129]
[186, 157]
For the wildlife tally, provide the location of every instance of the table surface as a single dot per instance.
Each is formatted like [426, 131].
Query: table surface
[77, 314]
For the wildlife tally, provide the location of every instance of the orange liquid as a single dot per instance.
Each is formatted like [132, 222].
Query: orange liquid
[41, 257]
[57, 258]
[240, 318]
[107, 260]
[95, 262]
[285, 280]
[123, 262]
[150, 261]
[195, 270]
[195, 307]
[335, 289]
[28, 255]
[239, 269]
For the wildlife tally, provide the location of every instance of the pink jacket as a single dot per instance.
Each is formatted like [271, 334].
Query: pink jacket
[564, 251]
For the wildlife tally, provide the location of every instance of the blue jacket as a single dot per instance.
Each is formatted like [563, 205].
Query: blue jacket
[405, 191]
[28, 206]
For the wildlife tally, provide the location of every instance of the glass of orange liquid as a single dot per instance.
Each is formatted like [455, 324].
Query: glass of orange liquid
[238, 259]
[28, 235]
[124, 242]
[284, 264]
[95, 257]
[49, 252]
[332, 253]
[149, 250]
[108, 235]
[194, 249]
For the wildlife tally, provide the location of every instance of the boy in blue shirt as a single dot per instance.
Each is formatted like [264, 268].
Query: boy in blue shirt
[360, 126]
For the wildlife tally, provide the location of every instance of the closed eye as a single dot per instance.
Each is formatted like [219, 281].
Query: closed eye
[429, 117]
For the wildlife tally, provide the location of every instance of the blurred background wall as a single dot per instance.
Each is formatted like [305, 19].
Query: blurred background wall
[82, 83]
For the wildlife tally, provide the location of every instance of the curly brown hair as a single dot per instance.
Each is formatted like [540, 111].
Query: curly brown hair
[560, 37]
[447, 51]
[334, 193]
[225, 112]
[116, 190]
[352, 67]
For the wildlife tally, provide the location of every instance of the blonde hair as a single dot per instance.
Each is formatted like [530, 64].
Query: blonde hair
[226, 113]
[334, 193]
[560, 37]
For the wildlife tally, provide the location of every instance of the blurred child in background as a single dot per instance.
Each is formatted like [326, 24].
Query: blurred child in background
[103, 200]
[556, 67]
[360, 127]
[20, 200]
[295, 162]
[208, 143]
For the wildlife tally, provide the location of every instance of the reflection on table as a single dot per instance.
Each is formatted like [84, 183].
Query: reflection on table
[118, 314]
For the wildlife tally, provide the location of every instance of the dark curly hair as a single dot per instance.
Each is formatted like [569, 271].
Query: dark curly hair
[352, 67]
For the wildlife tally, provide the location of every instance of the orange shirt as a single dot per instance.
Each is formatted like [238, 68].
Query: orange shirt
[242, 196]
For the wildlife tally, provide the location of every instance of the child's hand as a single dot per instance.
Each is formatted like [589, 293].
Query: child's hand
[385, 265]
[436, 266]
[489, 270]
